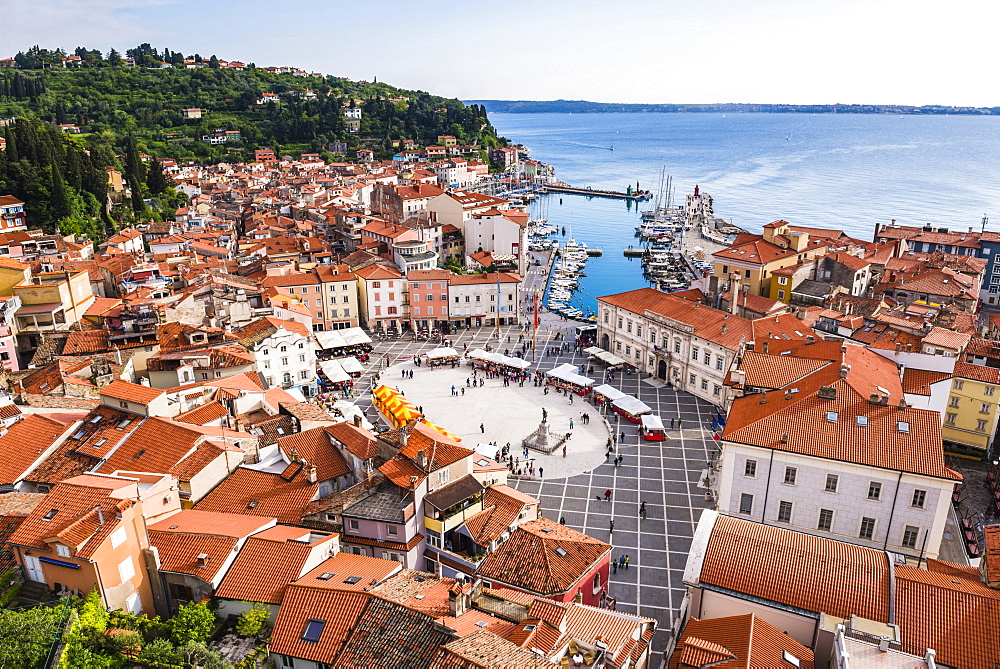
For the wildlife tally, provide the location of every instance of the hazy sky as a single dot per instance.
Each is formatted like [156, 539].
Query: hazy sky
[793, 51]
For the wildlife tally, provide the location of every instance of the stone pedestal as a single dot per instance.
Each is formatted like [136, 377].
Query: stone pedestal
[543, 440]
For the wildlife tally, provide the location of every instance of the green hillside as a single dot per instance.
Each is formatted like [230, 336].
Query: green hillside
[109, 101]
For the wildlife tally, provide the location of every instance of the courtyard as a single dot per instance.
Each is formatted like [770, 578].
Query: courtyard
[665, 475]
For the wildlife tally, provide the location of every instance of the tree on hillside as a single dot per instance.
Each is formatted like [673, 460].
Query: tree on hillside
[156, 180]
[114, 58]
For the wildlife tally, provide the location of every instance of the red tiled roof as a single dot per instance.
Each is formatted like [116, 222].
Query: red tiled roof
[531, 558]
[25, 443]
[203, 414]
[315, 447]
[132, 392]
[796, 569]
[357, 440]
[799, 424]
[737, 642]
[919, 381]
[262, 493]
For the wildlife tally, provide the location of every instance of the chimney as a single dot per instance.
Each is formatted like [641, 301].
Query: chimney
[311, 474]
[456, 601]
[902, 403]
[202, 559]
[421, 459]
[784, 437]
[844, 369]
[764, 347]
[873, 398]
[357, 420]
[100, 515]
[810, 339]
[763, 397]
[827, 393]
[402, 437]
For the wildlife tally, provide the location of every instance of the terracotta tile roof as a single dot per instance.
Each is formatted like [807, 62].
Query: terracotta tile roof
[474, 620]
[737, 642]
[618, 629]
[946, 338]
[532, 558]
[486, 650]
[348, 566]
[764, 370]
[86, 341]
[315, 447]
[263, 494]
[337, 609]
[982, 373]
[535, 633]
[991, 556]
[801, 424]
[406, 585]
[133, 392]
[266, 565]
[358, 630]
[919, 381]
[796, 569]
[439, 450]
[76, 521]
[357, 440]
[402, 472]
[962, 625]
[203, 414]
[156, 445]
[501, 510]
[24, 444]
[710, 324]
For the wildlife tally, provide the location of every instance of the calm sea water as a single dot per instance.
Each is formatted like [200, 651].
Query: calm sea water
[830, 170]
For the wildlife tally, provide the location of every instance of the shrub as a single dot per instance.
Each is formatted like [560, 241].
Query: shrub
[193, 622]
[252, 620]
[160, 654]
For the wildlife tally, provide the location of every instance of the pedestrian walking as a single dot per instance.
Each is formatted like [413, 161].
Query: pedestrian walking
[453, 390]
[463, 392]
[622, 437]
[562, 520]
[621, 561]
[627, 560]
[571, 423]
[614, 566]
[607, 495]
[611, 527]
[564, 450]
[679, 421]
[642, 507]
[482, 428]
[671, 423]
[540, 472]
[642, 513]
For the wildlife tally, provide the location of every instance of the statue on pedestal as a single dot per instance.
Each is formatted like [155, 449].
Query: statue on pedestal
[545, 415]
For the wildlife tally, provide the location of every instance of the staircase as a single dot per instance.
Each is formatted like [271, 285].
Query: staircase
[34, 592]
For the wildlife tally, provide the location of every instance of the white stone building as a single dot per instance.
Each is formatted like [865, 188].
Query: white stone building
[846, 461]
[285, 352]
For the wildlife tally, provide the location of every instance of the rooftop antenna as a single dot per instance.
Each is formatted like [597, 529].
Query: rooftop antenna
[985, 221]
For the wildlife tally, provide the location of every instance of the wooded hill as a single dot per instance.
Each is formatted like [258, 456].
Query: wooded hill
[107, 100]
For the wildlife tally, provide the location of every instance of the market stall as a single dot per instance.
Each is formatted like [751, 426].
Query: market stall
[444, 355]
[605, 393]
[565, 376]
[630, 408]
[391, 404]
[652, 428]
[332, 375]
[352, 366]
[498, 363]
[337, 343]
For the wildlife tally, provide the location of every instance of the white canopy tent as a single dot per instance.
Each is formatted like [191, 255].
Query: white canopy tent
[351, 365]
[334, 372]
[631, 405]
[498, 358]
[610, 392]
[651, 422]
[442, 352]
[567, 372]
[341, 338]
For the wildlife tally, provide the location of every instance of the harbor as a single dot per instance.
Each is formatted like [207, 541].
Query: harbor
[595, 254]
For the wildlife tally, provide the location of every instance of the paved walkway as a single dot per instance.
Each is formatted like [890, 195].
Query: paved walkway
[507, 414]
[666, 475]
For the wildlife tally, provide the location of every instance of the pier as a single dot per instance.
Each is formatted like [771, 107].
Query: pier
[638, 196]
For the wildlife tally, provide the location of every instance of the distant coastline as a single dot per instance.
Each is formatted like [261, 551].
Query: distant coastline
[585, 107]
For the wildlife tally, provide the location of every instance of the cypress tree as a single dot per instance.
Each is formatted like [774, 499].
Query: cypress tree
[58, 198]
